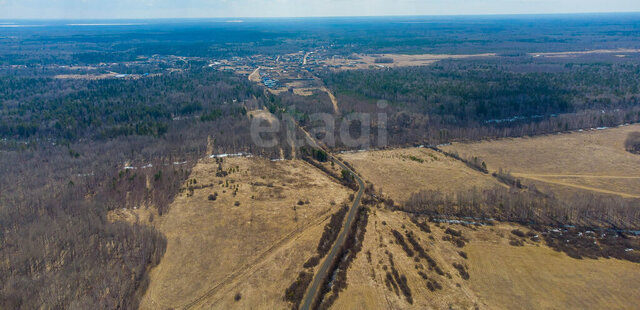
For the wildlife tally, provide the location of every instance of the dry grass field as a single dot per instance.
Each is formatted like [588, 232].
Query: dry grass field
[501, 276]
[537, 277]
[251, 240]
[618, 52]
[399, 60]
[402, 172]
[366, 279]
[593, 160]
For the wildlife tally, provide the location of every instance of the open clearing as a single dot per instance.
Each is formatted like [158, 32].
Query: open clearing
[577, 53]
[399, 60]
[592, 160]
[537, 277]
[402, 172]
[502, 276]
[253, 242]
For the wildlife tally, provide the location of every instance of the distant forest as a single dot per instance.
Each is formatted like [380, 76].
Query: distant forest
[73, 109]
[507, 35]
[471, 99]
[467, 92]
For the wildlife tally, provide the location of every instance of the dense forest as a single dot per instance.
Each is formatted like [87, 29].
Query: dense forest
[465, 92]
[473, 99]
[73, 109]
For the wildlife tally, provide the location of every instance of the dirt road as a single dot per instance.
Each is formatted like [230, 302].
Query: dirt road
[304, 60]
[589, 188]
[334, 101]
[322, 272]
[255, 75]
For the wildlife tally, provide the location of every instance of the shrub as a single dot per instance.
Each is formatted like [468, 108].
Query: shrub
[421, 225]
[404, 287]
[455, 237]
[463, 254]
[391, 283]
[433, 285]
[347, 177]
[331, 231]
[237, 203]
[506, 178]
[312, 262]
[416, 246]
[237, 297]
[518, 233]
[453, 232]
[632, 144]
[579, 244]
[462, 270]
[295, 292]
[401, 242]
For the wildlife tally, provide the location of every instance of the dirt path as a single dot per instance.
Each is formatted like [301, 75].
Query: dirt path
[304, 60]
[255, 75]
[250, 267]
[334, 101]
[529, 175]
[593, 189]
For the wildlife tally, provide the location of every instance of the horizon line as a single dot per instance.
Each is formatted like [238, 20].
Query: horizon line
[327, 16]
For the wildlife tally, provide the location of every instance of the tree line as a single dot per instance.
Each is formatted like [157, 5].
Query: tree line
[529, 207]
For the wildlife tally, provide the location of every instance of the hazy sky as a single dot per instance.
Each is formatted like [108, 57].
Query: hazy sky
[78, 9]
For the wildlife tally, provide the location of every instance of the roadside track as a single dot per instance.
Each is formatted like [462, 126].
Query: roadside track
[322, 272]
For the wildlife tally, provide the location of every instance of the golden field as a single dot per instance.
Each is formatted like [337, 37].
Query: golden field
[593, 160]
[402, 172]
[501, 276]
[251, 243]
